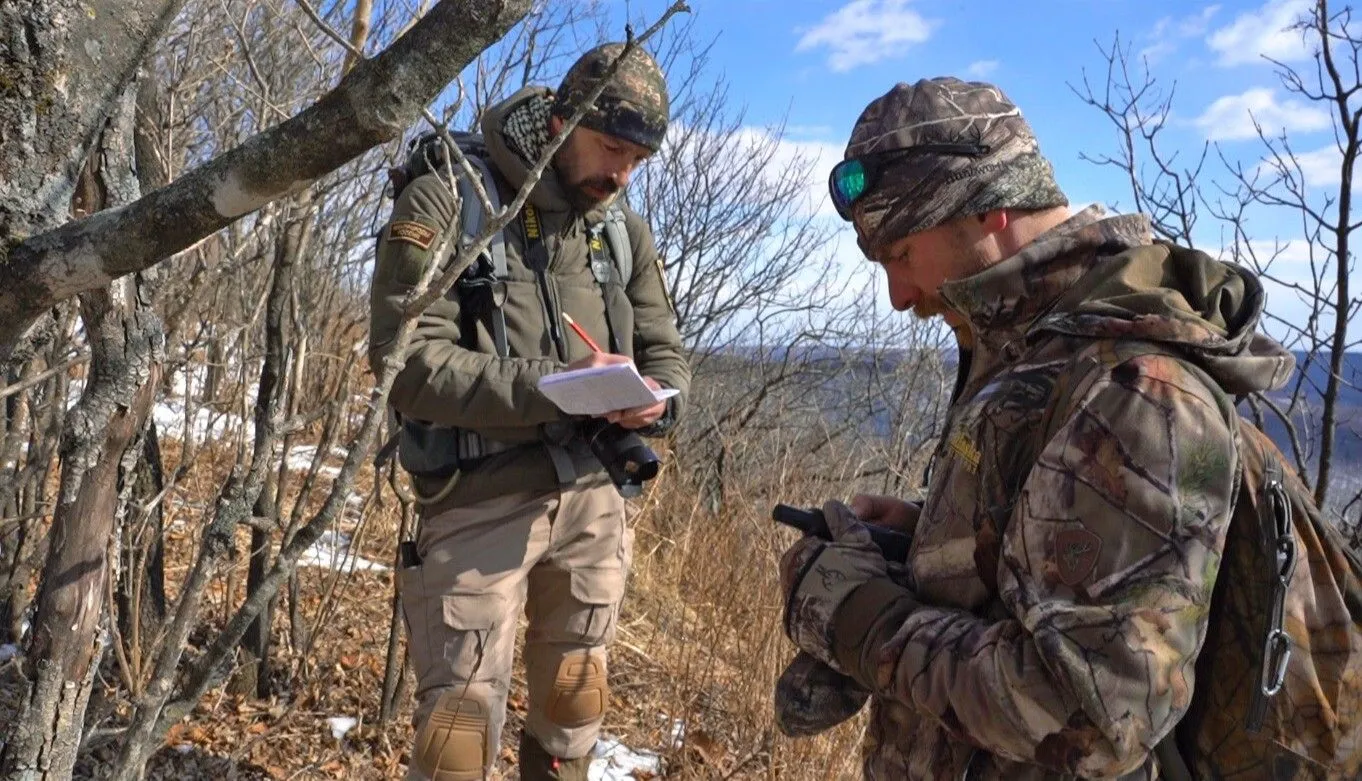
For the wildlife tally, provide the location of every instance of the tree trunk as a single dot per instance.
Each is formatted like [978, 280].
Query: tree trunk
[270, 404]
[141, 594]
[62, 657]
[125, 341]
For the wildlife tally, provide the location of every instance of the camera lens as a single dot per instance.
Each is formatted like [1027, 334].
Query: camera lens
[626, 458]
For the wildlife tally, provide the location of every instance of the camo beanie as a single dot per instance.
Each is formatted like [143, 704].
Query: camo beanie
[634, 106]
[918, 192]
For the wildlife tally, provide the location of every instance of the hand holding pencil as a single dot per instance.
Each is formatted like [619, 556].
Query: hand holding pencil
[629, 418]
[577, 329]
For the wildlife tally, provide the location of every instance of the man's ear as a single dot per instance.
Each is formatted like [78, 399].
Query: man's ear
[555, 124]
[994, 221]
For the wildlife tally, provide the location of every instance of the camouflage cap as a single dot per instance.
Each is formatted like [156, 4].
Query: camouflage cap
[919, 192]
[633, 107]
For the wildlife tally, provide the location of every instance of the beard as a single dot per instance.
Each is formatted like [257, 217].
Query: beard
[584, 201]
[973, 261]
[583, 193]
[929, 306]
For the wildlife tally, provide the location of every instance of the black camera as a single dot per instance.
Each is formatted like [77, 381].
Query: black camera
[626, 458]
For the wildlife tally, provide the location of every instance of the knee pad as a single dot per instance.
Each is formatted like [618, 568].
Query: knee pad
[452, 743]
[580, 691]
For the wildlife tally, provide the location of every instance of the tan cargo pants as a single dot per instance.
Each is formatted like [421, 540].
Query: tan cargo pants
[562, 557]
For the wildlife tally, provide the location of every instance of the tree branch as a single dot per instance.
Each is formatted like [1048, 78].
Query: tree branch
[373, 103]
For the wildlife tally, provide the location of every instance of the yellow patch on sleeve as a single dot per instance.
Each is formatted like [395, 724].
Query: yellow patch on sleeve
[412, 232]
[662, 279]
[967, 451]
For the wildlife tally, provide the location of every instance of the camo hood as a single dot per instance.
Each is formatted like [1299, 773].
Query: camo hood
[1104, 277]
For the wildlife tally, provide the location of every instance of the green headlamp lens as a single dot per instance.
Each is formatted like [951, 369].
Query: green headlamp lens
[850, 179]
[848, 183]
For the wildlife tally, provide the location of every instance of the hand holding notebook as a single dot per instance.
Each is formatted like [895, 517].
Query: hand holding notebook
[598, 390]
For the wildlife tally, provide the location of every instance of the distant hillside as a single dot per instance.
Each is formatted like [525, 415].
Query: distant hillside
[1347, 454]
[832, 377]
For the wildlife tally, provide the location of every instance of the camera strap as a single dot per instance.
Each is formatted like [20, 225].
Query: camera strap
[602, 269]
[537, 258]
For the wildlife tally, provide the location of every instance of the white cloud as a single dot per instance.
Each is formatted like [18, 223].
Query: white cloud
[1322, 167]
[981, 69]
[1157, 51]
[808, 151]
[1291, 251]
[866, 31]
[1263, 33]
[1168, 31]
[816, 157]
[1231, 118]
[1319, 168]
[808, 131]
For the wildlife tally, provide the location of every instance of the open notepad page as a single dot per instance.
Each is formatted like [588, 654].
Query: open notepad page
[600, 389]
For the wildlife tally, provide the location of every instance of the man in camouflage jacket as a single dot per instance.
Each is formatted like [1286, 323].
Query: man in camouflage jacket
[531, 523]
[1046, 622]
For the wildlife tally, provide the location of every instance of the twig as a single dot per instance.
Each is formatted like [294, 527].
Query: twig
[37, 379]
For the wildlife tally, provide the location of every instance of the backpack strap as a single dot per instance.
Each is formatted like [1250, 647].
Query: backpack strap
[1276, 533]
[612, 235]
[621, 248]
[603, 270]
[472, 218]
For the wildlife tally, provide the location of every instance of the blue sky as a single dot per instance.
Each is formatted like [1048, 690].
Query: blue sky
[822, 61]
[817, 63]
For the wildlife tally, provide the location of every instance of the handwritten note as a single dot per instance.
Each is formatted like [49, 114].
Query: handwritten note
[600, 389]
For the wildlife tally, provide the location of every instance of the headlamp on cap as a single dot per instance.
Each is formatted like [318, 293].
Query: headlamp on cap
[851, 179]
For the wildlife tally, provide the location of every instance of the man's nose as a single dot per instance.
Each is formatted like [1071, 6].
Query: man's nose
[902, 295]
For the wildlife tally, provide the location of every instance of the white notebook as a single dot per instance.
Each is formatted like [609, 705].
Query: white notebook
[600, 389]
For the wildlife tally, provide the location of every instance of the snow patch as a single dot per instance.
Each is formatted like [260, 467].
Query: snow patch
[341, 725]
[300, 458]
[332, 551]
[8, 652]
[204, 424]
[678, 732]
[614, 761]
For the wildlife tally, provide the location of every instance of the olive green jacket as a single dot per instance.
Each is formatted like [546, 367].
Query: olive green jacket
[447, 384]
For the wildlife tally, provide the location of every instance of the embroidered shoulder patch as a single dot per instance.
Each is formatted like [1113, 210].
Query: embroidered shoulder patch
[1075, 554]
[966, 450]
[662, 279]
[412, 232]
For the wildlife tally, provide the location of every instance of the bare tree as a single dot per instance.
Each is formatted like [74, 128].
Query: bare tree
[1327, 219]
[48, 259]
[1137, 107]
[1174, 195]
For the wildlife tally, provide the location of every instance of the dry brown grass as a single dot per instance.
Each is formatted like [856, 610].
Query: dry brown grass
[705, 607]
[699, 644]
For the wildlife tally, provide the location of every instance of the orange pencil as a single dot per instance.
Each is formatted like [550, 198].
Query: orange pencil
[589, 343]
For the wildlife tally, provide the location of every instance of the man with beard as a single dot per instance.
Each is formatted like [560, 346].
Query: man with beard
[1047, 620]
[523, 518]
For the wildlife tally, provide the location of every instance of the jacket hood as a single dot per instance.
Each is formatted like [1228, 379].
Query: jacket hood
[548, 193]
[1105, 278]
